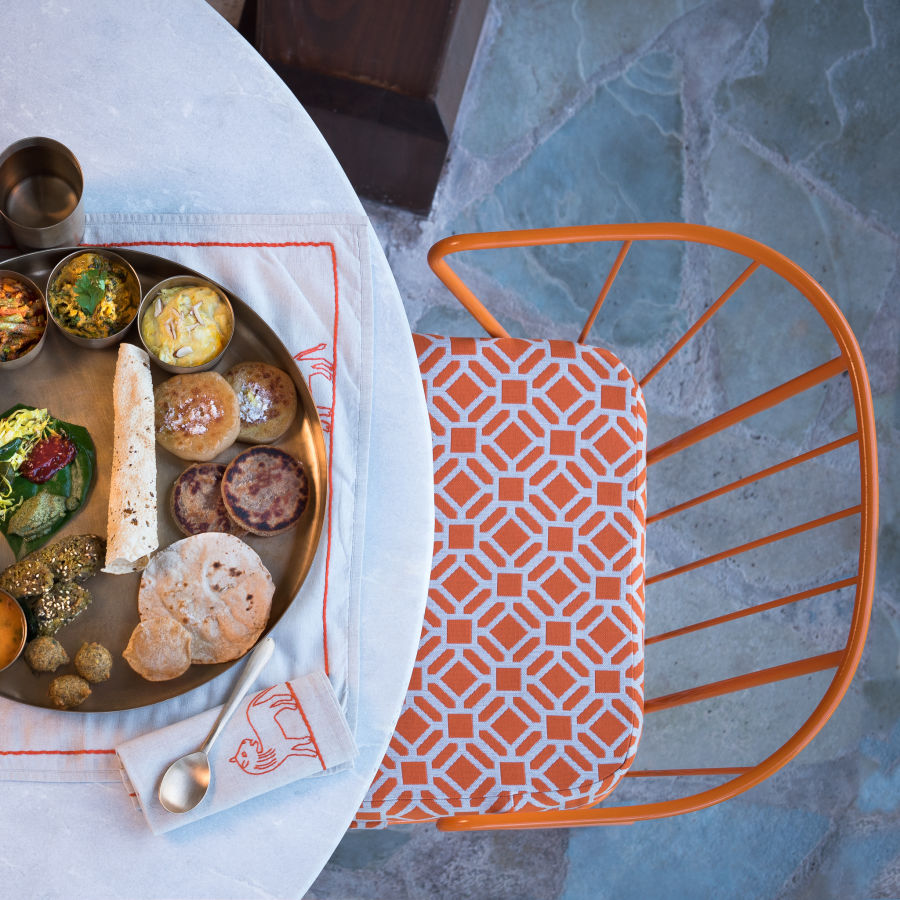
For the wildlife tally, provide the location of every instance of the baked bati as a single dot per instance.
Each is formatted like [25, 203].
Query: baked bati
[196, 416]
[267, 400]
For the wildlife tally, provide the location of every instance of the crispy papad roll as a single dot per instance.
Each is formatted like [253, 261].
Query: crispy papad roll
[131, 523]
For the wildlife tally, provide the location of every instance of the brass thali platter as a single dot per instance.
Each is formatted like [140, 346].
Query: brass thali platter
[75, 384]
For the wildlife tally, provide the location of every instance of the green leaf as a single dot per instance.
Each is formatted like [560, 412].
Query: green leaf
[90, 290]
[59, 484]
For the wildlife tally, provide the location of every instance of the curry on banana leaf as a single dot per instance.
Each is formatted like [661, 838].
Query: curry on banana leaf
[46, 470]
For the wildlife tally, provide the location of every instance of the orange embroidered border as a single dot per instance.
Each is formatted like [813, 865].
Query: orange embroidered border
[312, 734]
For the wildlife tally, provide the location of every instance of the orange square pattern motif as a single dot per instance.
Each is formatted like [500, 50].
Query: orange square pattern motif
[527, 692]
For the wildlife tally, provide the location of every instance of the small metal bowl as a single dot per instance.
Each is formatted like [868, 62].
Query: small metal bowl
[41, 187]
[31, 355]
[13, 618]
[94, 343]
[184, 281]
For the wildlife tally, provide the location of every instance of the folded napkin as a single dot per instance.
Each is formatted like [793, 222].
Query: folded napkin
[285, 732]
[309, 277]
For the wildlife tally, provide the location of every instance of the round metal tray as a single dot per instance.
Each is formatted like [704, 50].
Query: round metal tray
[75, 384]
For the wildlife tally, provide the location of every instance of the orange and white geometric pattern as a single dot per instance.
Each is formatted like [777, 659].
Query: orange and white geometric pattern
[527, 691]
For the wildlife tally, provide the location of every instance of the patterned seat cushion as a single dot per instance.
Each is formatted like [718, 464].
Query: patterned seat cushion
[528, 686]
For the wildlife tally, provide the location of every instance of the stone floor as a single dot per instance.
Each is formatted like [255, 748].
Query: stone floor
[776, 119]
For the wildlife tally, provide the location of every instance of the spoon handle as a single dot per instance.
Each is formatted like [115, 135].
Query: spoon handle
[261, 654]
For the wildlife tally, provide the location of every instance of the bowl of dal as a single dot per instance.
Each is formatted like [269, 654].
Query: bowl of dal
[13, 630]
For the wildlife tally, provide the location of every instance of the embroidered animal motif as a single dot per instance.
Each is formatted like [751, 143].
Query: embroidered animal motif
[279, 729]
[315, 363]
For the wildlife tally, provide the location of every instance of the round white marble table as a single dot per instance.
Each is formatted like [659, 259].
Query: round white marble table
[178, 114]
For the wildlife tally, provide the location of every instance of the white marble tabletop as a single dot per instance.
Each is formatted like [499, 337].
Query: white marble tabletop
[169, 110]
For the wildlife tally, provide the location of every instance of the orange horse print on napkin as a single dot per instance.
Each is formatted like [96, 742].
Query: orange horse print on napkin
[314, 361]
[280, 731]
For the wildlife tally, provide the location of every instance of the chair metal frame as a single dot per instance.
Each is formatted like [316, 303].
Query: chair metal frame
[844, 660]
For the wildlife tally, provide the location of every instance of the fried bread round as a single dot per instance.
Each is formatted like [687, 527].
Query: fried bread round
[196, 416]
[265, 490]
[217, 587]
[159, 649]
[196, 503]
[267, 400]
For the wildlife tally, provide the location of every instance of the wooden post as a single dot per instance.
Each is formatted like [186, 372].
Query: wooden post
[382, 80]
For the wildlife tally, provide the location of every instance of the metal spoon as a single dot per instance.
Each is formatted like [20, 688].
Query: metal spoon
[186, 781]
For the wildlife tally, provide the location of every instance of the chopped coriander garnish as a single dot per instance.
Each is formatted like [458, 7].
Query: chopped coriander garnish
[90, 289]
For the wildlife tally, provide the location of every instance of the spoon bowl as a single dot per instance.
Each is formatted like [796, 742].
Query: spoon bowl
[187, 780]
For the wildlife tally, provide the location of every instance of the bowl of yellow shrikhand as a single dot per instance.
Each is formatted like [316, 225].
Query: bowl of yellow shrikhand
[186, 323]
[93, 296]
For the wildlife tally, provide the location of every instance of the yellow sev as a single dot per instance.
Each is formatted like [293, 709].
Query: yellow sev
[30, 425]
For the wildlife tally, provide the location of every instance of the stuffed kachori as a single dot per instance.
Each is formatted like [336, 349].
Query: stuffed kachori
[196, 416]
[267, 400]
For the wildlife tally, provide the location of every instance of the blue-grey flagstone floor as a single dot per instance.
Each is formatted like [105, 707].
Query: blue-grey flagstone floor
[777, 119]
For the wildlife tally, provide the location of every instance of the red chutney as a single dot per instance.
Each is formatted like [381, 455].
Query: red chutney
[47, 457]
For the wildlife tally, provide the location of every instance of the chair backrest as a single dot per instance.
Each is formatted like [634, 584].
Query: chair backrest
[754, 638]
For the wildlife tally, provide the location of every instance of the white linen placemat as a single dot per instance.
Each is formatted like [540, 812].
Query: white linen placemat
[309, 277]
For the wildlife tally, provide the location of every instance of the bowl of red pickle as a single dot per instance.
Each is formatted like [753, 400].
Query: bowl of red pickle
[23, 320]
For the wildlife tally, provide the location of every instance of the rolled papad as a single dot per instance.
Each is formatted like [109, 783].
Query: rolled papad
[131, 527]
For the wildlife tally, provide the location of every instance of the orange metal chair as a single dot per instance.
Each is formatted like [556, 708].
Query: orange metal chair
[798, 694]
